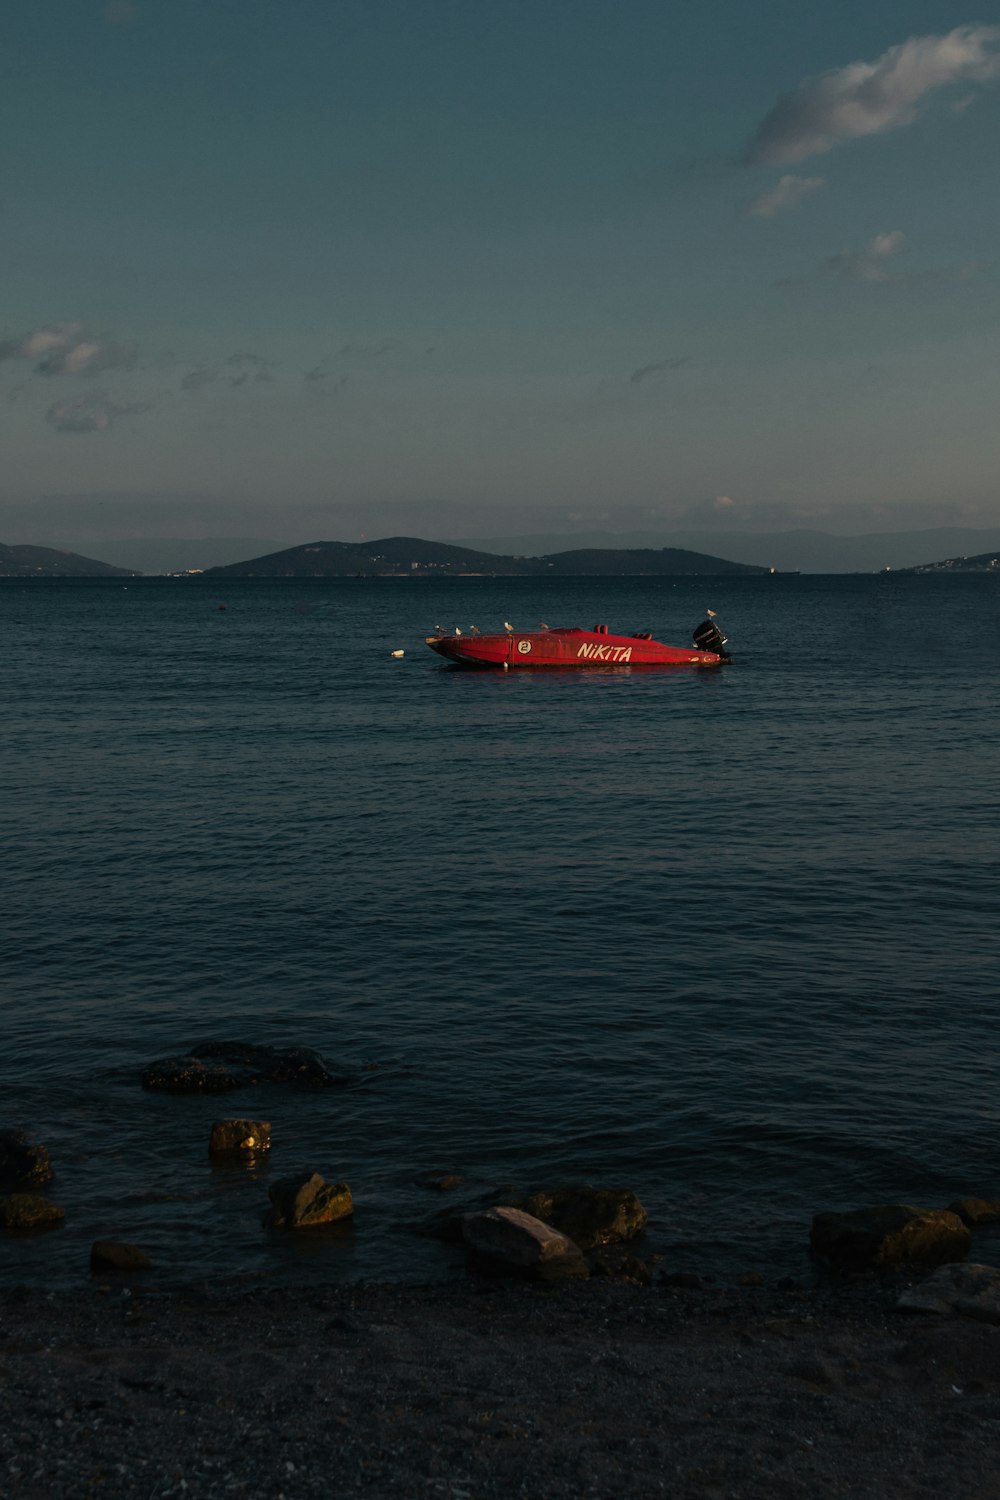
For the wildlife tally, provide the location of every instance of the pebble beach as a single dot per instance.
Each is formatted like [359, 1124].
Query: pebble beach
[484, 1388]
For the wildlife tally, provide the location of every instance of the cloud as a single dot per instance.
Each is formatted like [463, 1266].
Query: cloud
[869, 264]
[246, 364]
[195, 379]
[660, 368]
[88, 357]
[867, 98]
[786, 193]
[62, 349]
[876, 263]
[91, 413]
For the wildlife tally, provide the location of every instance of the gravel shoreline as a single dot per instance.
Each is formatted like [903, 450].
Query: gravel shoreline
[480, 1389]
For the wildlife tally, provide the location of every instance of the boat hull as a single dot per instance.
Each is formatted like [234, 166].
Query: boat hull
[565, 648]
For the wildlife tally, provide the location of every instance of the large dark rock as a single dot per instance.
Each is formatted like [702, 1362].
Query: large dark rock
[515, 1243]
[20, 1212]
[239, 1137]
[977, 1210]
[892, 1234]
[22, 1163]
[306, 1201]
[219, 1067]
[589, 1216]
[113, 1255]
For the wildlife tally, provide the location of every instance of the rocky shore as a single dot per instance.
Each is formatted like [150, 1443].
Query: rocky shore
[491, 1388]
[570, 1360]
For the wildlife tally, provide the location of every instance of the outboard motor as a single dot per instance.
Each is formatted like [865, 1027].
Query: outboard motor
[708, 637]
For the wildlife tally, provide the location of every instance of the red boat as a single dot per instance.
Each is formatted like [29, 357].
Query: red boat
[568, 646]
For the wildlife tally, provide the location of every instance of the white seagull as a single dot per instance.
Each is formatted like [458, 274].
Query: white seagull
[507, 625]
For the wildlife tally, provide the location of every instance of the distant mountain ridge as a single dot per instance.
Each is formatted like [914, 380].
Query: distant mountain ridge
[407, 557]
[48, 562]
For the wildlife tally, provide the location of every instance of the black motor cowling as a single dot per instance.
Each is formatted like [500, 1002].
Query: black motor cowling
[708, 637]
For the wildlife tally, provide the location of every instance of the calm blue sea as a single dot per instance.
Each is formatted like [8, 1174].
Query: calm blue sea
[729, 938]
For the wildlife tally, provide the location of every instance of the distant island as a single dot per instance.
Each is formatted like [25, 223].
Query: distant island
[48, 562]
[985, 562]
[410, 557]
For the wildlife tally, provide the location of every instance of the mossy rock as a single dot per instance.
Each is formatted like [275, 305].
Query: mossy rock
[22, 1162]
[890, 1234]
[22, 1212]
[307, 1201]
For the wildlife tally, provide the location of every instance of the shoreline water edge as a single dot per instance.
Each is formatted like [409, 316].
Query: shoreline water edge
[557, 1366]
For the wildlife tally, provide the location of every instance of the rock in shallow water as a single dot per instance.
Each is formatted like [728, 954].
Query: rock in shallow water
[977, 1210]
[306, 1201]
[509, 1240]
[113, 1255]
[26, 1211]
[590, 1216]
[219, 1067]
[891, 1234]
[239, 1137]
[22, 1163]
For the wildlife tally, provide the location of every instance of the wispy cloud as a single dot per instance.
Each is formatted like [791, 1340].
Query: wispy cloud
[871, 263]
[877, 264]
[64, 349]
[645, 372]
[245, 366]
[91, 413]
[867, 98]
[785, 194]
[195, 379]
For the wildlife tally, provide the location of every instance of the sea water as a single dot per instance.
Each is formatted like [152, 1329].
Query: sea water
[727, 937]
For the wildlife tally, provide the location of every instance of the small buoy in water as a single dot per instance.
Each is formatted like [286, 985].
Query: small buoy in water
[397, 653]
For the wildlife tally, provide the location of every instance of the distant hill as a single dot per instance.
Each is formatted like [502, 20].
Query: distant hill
[46, 562]
[673, 562]
[803, 550]
[986, 562]
[410, 557]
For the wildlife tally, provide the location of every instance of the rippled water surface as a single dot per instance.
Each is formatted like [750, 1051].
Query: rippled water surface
[727, 937]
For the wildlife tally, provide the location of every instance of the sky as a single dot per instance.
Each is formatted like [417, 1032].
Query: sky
[294, 269]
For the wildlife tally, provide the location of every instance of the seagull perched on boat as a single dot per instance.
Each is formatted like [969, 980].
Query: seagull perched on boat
[542, 625]
[439, 630]
[474, 630]
[457, 631]
[507, 626]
